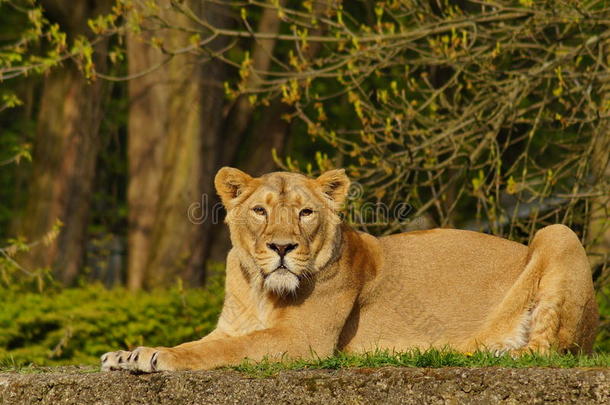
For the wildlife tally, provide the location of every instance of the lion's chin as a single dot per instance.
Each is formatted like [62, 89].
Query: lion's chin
[281, 282]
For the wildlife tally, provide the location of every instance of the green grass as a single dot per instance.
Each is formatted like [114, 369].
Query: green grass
[432, 358]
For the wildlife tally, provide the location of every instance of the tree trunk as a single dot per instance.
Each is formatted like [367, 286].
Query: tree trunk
[270, 132]
[241, 112]
[175, 138]
[598, 230]
[65, 152]
[145, 148]
[259, 142]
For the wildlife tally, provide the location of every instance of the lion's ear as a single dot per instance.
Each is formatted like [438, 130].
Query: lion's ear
[334, 183]
[230, 183]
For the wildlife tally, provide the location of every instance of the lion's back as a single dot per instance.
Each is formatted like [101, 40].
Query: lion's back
[451, 257]
[437, 285]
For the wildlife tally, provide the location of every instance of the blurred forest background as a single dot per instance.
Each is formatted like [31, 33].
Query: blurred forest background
[116, 114]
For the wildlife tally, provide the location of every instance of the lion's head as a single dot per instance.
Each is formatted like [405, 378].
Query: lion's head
[284, 226]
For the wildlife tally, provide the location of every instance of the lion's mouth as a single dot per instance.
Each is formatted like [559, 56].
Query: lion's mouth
[284, 269]
[281, 270]
[283, 266]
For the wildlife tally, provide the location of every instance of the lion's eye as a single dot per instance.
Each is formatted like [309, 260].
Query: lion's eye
[259, 210]
[306, 212]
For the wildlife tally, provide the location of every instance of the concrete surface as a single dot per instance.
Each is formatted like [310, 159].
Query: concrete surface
[352, 386]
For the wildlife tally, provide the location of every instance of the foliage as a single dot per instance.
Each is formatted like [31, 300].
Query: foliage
[478, 116]
[77, 325]
[432, 358]
[603, 334]
[418, 97]
[13, 275]
[486, 116]
[492, 117]
[37, 44]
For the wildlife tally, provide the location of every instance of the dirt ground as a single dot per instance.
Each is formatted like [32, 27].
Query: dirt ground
[354, 386]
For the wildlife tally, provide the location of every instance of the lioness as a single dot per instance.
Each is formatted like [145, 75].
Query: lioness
[299, 283]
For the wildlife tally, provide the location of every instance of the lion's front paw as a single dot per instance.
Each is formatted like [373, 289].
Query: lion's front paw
[144, 359]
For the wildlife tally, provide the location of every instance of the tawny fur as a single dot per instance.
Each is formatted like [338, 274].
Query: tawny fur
[345, 290]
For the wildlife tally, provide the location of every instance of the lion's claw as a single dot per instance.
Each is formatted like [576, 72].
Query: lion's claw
[144, 359]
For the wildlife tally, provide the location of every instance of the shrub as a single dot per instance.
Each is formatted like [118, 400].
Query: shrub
[77, 325]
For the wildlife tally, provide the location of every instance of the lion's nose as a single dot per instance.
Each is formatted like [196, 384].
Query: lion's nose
[282, 250]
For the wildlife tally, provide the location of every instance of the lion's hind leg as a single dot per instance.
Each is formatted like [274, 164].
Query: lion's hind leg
[551, 306]
[565, 312]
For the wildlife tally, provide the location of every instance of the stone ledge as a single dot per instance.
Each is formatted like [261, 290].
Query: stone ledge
[386, 385]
